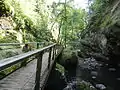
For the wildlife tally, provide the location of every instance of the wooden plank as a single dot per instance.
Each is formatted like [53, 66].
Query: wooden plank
[24, 78]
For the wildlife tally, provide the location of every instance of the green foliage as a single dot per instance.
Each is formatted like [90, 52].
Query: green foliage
[9, 70]
[67, 52]
[71, 21]
[43, 34]
[31, 31]
[107, 21]
[85, 86]
[8, 39]
[4, 8]
[98, 6]
[9, 53]
[60, 68]
[97, 19]
[18, 16]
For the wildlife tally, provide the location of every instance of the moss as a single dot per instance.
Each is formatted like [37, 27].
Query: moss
[60, 68]
[85, 86]
[106, 21]
[67, 53]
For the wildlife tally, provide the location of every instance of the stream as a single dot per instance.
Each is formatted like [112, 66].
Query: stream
[90, 72]
[101, 76]
[62, 81]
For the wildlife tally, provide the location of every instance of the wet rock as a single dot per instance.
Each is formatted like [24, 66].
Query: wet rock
[93, 77]
[118, 79]
[118, 65]
[99, 56]
[94, 73]
[112, 69]
[83, 85]
[91, 64]
[68, 88]
[71, 86]
[55, 82]
[100, 86]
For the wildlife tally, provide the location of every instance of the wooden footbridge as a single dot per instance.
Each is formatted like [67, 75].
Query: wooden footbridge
[34, 75]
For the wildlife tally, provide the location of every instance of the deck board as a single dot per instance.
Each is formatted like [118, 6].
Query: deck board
[24, 78]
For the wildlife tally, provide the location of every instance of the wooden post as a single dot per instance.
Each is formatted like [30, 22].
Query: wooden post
[53, 56]
[55, 50]
[37, 45]
[49, 59]
[38, 70]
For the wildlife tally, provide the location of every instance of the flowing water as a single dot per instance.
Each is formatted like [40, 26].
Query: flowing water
[93, 75]
[100, 75]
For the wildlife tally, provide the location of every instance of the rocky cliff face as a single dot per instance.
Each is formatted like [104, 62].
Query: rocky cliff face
[101, 39]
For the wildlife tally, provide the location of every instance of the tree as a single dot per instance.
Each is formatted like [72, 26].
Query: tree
[71, 21]
[43, 34]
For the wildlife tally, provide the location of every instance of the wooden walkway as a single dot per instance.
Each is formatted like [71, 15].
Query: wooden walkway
[24, 78]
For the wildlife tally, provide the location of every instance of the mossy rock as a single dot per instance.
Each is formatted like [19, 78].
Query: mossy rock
[68, 57]
[83, 85]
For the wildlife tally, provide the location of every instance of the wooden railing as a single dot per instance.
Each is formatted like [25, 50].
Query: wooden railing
[52, 49]
[14, 44]
[37, 44]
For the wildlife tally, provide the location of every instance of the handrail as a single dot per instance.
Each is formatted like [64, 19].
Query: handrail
[8, 44]
[5, 63]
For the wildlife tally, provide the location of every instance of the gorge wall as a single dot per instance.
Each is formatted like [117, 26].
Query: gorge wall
[101, 39]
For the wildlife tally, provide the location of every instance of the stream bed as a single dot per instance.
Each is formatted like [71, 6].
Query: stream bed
[101, 76]
[88, 75]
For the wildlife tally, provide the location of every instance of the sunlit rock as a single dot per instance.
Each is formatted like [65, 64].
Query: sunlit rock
[112, 69]
[100, 86]
[93, 77]
[94, 73]
[118, 79]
